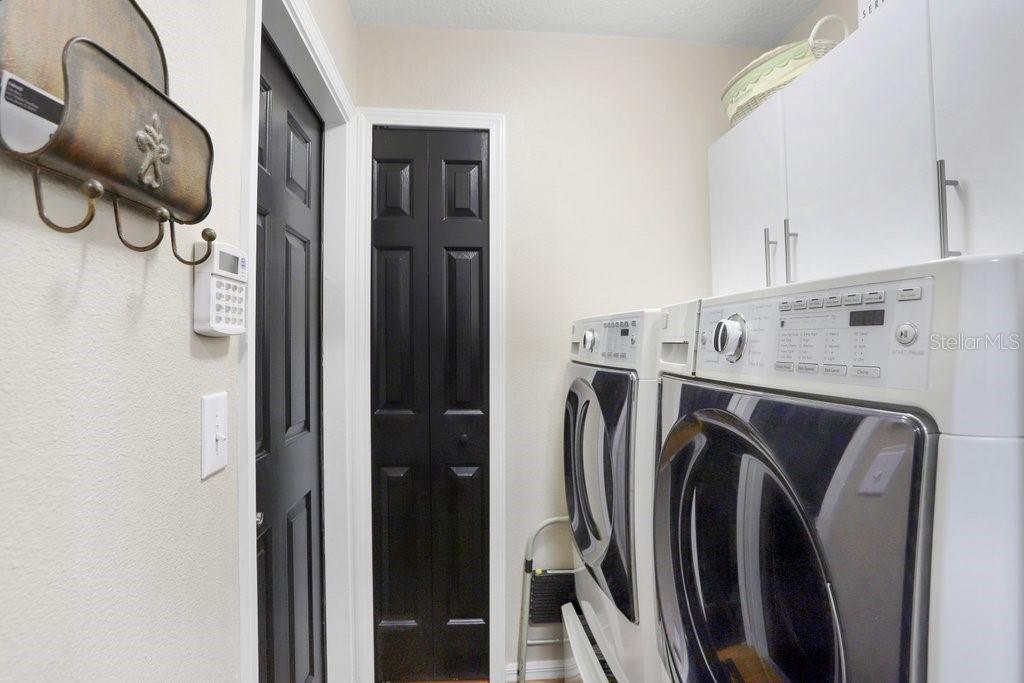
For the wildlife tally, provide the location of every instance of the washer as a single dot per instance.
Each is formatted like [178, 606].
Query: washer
[610, 443]
[840, 488]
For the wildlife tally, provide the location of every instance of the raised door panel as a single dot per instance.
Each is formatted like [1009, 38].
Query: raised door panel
[265, 606]
[747, 186]
[393, 307]
[301, 608]
[978, 124]
[297, 302]
[860, 151]
[464, 327]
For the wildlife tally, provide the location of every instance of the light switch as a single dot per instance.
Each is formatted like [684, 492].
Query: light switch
[214, 434]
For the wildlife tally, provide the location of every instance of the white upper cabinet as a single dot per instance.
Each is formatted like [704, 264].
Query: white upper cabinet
[747, 180]
[860, 151]
[979, 110]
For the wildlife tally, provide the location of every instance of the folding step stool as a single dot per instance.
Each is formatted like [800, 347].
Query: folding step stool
[544, 593]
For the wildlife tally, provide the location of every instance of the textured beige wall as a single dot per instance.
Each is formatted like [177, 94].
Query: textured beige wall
[334, 17]
[116, 562]
[607, 192]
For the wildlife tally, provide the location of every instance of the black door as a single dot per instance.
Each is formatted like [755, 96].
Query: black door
[288, 445]
[430, 403]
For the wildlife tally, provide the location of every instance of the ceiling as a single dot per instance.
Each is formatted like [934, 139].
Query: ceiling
[756, 23]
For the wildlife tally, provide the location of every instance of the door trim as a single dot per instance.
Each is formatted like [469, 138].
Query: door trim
[357, 303]
[293, 28]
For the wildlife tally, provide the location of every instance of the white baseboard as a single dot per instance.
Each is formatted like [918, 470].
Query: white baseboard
[546, 670]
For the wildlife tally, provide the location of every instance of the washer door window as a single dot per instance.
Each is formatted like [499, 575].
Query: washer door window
[748, 597]
[598, 475]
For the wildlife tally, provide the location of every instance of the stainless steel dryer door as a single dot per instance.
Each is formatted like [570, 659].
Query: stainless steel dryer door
[785, 537]
[599, 414]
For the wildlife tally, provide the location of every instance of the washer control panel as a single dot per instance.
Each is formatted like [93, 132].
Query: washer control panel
[874, 335]
[615, 340]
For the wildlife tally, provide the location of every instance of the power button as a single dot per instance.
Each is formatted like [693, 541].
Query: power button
[906, 334]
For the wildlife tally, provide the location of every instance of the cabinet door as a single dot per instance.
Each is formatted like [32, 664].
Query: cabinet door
[978, 120]
[860, 151]
[747, 179]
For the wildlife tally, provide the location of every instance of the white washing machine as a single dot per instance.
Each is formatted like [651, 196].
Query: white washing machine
[840, 488]
[610, 443]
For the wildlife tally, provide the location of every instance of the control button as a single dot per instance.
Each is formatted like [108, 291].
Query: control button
[807, 368]
[800, 305]
[783, 366]
[220, 285]
[906, 334]
[874, 298]
[909, 294]
[219, 296]
[815, 302]
[866, 372]
[632, 341]
[853, 299]
[220, 319]
[785, 306]
[833, 300]
[833, 370]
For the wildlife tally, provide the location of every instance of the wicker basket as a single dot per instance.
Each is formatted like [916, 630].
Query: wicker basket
[774, 70]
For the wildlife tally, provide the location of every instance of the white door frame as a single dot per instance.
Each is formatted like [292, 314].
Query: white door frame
[358, 305]
[293, 28]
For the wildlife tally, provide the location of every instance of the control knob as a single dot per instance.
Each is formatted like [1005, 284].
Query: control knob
[589, 340]
[729, 337]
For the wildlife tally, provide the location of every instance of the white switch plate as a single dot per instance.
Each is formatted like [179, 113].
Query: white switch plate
[214, 434]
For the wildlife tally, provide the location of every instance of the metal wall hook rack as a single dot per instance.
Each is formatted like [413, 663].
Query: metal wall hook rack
[65, 59]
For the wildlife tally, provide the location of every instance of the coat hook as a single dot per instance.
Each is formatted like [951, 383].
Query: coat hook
[92, 189]
[208, 234]
[161, 216]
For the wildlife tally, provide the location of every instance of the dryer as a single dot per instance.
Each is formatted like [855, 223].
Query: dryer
[610, 441]
[840, 486]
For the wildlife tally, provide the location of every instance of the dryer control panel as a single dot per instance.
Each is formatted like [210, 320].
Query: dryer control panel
[612, 340]
[874, 335]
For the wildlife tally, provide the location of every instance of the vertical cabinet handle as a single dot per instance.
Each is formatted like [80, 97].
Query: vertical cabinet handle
[787, 236]
[944, 185]
[768, 244]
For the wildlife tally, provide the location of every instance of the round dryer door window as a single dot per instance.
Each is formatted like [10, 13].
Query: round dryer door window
[743, 589]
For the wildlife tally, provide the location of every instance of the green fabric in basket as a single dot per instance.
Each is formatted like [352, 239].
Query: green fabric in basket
[777, 59]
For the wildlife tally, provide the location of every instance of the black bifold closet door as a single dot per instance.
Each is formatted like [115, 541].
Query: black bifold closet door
[430, 403]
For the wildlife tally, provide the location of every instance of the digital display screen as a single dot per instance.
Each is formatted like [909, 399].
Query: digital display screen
[867, 318]
[623, 332]
[228, 262]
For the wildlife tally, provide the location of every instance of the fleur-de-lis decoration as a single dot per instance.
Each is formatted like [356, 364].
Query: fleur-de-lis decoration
[151, 141]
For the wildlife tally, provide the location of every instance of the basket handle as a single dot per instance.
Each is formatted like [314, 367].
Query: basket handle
[824, 20]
